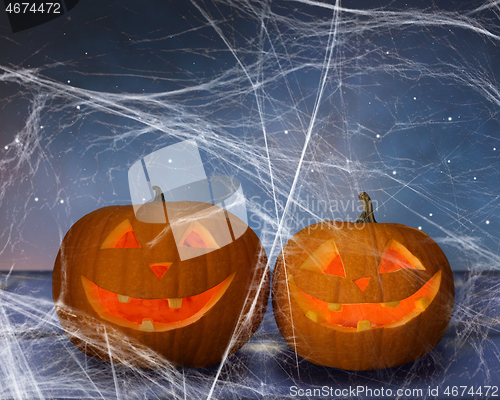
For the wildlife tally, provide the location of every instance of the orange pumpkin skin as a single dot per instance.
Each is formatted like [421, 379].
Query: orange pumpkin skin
[222, 287]
[338, 335]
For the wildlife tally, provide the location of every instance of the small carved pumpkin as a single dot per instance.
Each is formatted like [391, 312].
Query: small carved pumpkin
[127, 290]
[363, 295]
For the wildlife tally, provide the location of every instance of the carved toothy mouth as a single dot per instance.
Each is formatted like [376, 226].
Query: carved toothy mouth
[365, 316]
[152, 315]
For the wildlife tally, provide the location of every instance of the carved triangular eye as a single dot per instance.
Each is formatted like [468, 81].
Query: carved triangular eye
[198, 236]
[325, 259]
[396, 257]
[122, 237]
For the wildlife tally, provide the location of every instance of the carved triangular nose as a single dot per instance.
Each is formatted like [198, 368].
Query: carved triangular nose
[159, 269]
[362, 283]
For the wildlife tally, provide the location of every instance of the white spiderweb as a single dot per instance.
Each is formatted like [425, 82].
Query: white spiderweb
[307, 104]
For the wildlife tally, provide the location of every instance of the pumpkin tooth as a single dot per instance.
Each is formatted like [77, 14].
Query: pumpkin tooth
[391, 304]
[147, 325]
[175, 303]
[312, 316]
[421, 303]
[123, 299]
[334, 306]
[364, 325]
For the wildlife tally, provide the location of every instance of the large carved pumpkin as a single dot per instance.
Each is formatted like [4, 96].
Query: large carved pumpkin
[128, 291]
[364, 295]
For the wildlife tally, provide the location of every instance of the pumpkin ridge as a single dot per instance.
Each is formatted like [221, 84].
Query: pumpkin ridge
[82, 228]
[376, 242]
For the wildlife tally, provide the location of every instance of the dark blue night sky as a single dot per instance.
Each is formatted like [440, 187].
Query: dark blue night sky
[306, 104]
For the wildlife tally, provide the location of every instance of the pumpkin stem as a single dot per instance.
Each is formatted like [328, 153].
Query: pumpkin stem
[158, 194]
[367, 214]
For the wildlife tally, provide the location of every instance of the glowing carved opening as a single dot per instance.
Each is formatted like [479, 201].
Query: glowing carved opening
[350, 317]
[122, 237]
[396, 257]
[152, 315]
[362, 283]
[198, 236]
[159, 269]
[325, 259]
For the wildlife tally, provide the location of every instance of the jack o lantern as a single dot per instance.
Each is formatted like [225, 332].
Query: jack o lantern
[363, 295]
[127, 291]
